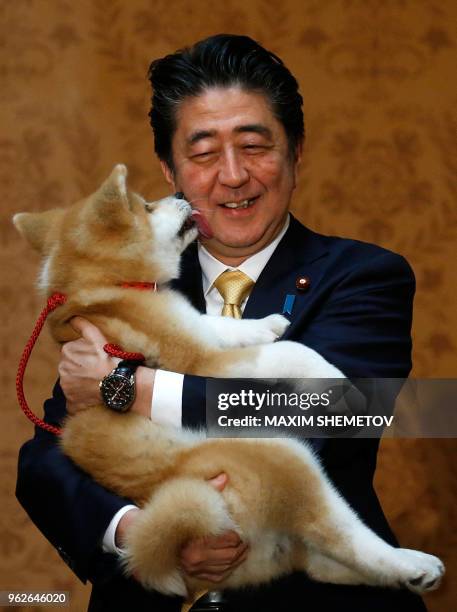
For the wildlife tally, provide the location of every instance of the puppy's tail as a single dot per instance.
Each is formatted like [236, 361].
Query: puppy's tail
[181, 510]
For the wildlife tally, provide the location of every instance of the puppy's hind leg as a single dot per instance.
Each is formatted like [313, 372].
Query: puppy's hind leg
[180, 510]
[337, 533]
[325, 569]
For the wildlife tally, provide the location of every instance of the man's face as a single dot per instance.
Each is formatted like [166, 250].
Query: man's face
[232, 163]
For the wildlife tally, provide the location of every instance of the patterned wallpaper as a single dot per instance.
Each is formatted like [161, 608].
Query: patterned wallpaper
[378, 79]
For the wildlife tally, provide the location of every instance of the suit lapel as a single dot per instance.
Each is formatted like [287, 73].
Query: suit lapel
[190, 280]
[299, 254]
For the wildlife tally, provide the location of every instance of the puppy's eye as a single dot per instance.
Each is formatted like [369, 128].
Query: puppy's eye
[148, 207]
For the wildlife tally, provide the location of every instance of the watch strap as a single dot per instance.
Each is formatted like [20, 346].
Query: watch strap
[126, 367]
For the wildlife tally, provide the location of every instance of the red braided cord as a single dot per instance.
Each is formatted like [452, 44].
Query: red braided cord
[116, 351]
[53, 302]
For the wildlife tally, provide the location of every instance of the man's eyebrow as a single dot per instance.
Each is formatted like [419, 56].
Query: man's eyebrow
[257, 128]
[200, 135]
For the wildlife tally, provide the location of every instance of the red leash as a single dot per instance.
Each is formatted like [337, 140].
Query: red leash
[56, 300]
[53, 302]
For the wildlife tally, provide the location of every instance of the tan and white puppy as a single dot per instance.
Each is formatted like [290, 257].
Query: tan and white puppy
[278, 498]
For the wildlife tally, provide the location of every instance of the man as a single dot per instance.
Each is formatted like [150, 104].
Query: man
[228, 125]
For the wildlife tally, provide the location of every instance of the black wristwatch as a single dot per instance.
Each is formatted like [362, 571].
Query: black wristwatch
[118, 388]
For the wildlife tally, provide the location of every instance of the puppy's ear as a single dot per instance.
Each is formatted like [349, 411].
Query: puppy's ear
[35, 226]
[111, 200]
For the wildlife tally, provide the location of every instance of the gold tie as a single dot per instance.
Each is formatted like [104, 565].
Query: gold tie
[234, 286]
[187, 605]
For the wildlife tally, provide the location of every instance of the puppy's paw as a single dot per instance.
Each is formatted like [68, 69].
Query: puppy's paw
[266, 330]
[424, 571]
[277, 324]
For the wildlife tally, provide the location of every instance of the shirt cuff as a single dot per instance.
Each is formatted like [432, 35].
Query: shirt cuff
[109, 539]
[166, 407]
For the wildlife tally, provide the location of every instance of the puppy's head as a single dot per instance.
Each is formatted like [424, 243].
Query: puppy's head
[110, 237]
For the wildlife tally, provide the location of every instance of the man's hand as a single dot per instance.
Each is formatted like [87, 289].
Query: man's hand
[82, 366]
[214, 558]
[84, 363]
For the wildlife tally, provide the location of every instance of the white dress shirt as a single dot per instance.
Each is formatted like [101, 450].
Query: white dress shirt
[166, 406]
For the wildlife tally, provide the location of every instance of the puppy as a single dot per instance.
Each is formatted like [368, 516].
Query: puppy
[278, 498]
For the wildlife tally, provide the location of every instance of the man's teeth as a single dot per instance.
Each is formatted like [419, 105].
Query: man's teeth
[243, 204]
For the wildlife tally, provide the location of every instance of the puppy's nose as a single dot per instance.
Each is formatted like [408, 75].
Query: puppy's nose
[179, 195]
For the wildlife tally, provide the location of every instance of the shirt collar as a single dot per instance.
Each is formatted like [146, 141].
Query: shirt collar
[253, 266]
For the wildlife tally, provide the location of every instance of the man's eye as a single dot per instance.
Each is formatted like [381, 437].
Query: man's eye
[253, 148]
[203, 156]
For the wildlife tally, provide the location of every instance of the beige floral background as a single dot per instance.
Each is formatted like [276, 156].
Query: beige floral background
[378, 78]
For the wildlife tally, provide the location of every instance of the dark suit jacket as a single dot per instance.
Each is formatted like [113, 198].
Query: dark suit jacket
[357, 314]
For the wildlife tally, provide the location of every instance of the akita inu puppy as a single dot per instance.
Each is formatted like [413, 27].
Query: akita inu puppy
[277, 498]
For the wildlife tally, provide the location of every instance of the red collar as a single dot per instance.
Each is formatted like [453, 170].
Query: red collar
[139, 285]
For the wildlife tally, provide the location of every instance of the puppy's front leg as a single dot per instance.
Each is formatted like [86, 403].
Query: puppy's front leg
[234, 333]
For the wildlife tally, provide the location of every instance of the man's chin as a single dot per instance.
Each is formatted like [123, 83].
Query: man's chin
[232, 243]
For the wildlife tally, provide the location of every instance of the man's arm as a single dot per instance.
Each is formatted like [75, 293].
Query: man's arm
[68, 507]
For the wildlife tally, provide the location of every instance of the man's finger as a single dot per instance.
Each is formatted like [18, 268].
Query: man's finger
[210, 577]
[225, 557]
[241, 554]
[219, 481]
[87, 330]
[219, 576]
[230, 539]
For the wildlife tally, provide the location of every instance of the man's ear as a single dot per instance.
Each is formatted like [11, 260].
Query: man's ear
[168, 174]
[35, 226]
[297, 161]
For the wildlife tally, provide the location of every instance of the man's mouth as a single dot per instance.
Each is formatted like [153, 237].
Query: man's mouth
[204, 229]
[243, 204]
[196, 219]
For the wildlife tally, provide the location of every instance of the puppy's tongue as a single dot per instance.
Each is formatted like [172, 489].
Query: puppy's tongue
[202, 224]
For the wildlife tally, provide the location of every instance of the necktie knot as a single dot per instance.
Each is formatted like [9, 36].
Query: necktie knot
[234, 286]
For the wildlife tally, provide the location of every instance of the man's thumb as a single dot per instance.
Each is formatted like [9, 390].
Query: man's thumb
[87, 330]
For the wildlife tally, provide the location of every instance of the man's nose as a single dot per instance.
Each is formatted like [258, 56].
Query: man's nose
[232, 170]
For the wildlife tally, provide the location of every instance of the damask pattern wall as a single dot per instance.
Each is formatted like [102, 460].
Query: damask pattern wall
[380, 164]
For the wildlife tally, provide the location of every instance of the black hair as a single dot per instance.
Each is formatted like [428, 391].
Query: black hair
[223, 60]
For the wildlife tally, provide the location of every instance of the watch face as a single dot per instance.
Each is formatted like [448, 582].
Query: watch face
[118, 392]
